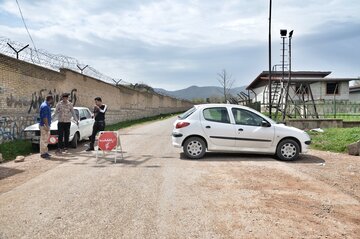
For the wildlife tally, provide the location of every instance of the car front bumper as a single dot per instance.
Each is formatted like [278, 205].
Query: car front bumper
[305, 146]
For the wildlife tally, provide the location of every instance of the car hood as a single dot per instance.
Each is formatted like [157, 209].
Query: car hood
[291, 131]
[35, 127]
[282, 126]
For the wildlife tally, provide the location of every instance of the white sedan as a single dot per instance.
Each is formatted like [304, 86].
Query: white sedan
[77, 132]
[235, 128]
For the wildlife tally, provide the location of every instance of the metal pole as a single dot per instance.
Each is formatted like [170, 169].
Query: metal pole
[283, 59]
[82, 69]
[17, 52]
[289, 80]
[270, 59]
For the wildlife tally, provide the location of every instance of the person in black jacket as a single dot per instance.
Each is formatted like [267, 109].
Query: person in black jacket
[99, 124]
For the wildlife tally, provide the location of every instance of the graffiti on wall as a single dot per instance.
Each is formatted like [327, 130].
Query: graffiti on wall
[37, 98]
[13, 127]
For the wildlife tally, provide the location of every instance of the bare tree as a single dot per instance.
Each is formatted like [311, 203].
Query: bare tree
[226, 83]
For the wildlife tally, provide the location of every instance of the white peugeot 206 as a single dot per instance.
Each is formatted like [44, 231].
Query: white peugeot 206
[235, 128]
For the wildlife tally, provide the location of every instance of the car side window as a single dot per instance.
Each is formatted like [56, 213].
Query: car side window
[82, 115]
[217, 114]
[77, 113]
[245, 117]
[87, 114]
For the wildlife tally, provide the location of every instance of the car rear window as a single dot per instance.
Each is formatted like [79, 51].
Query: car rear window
[187, 113]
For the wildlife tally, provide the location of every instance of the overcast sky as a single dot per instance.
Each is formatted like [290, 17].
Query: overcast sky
[174, 44]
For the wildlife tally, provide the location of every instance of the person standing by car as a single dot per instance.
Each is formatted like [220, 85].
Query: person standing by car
[45, 122]
[64, 111]
[99, 124]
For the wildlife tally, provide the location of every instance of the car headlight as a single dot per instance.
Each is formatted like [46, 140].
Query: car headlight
[29, 134]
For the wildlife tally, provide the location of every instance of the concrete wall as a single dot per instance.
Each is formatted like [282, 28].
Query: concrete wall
[315, 123]
[354, 96]
[307, 124]
[23, 87]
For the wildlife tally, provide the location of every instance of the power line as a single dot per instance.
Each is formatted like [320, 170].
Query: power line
[22, 17]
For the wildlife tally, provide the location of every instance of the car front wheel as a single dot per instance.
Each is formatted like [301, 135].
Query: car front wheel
[194, 148]
[75, 140]
[288, 150]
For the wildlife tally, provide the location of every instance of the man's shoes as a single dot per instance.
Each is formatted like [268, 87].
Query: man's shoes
[58, 151]
[65, 150]
[49, 155]
[45, 156]
[89, 149]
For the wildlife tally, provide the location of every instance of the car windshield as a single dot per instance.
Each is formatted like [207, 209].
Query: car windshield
[187, 113]
[53, 116]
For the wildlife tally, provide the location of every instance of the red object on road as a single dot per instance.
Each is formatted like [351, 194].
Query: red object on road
[53, 139]
[107, 141]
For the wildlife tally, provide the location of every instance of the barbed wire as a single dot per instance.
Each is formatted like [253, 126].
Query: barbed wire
[53, 61]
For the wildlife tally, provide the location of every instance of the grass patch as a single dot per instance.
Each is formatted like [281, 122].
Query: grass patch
[129, 123]
[11, 149]
[334, 139]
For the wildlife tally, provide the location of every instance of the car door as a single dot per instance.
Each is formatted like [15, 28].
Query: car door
[82, 124]
[89, 123]
[216, 125]
[252, 135]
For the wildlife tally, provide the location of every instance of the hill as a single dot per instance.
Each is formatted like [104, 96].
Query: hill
[195, 92]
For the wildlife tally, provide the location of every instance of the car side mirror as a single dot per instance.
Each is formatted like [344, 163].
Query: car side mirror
[265, 124]
[83, 118]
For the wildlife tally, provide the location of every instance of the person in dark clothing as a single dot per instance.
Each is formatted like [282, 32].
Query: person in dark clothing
[99, 124]
[65, 114]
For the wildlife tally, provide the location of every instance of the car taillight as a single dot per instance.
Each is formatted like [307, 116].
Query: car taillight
[181, 125]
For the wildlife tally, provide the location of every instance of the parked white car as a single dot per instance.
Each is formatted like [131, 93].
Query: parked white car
[235, 128]
[77, 132]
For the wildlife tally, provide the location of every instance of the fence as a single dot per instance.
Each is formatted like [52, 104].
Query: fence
[326, 109]
[51, 61]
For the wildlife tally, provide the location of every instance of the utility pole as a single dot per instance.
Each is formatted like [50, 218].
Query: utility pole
[270, 106]
[289, 80]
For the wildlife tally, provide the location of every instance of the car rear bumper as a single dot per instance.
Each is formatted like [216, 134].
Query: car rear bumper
[177, 139]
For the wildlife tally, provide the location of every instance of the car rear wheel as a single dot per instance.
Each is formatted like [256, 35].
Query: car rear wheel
[288, 150]
[194, 148]
[75, 140]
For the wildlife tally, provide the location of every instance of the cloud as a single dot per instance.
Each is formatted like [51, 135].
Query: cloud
[174, 44]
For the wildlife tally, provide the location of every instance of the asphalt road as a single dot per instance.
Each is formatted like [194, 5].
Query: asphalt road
[154, 193]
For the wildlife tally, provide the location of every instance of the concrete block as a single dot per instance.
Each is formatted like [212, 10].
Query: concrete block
[354, 148]
[19, 159]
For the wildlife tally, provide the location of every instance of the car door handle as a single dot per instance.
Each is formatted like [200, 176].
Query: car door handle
[240, 130]
[208, 127]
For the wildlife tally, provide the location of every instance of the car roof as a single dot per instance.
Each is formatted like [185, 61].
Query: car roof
[221, 105]
[77, 108]
[202, 106]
